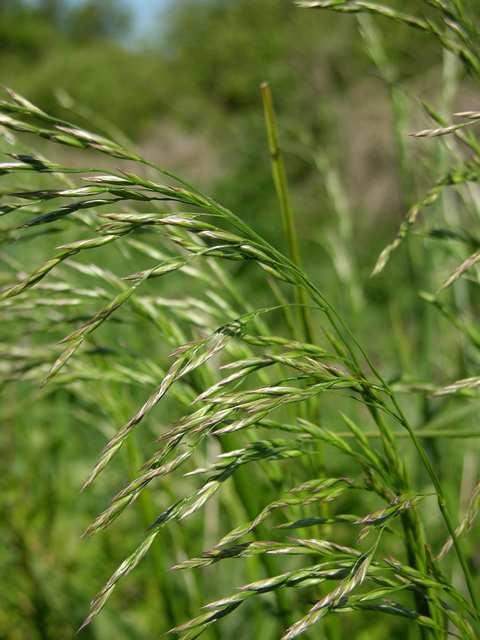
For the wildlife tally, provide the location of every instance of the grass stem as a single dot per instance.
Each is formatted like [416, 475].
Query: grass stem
[281, 187]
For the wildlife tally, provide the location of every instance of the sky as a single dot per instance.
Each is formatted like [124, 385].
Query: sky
[144, 10]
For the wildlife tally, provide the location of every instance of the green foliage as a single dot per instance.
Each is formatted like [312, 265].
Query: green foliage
[77, 50]
[295, 462]
[92, 21]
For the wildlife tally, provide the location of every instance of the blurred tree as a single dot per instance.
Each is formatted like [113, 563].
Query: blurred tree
[51, 45]
[51, 9]
[98, 19]
[9, 5]
[222, 50]
[24, 31]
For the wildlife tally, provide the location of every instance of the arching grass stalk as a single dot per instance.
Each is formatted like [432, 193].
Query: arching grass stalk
[336, 321]
[338, 324]
[223, 411]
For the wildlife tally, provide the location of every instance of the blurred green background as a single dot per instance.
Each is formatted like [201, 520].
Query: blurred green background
[180, 79]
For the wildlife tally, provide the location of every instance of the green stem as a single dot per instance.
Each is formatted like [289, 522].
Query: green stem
[446, 516]
[281, 187]
[433, 433]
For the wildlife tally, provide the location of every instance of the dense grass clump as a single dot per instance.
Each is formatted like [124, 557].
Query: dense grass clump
[270, 462]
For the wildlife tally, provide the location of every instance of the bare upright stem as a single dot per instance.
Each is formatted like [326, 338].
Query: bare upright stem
[281, 187]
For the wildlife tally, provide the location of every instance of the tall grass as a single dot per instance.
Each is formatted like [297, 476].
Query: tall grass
[245, 397]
